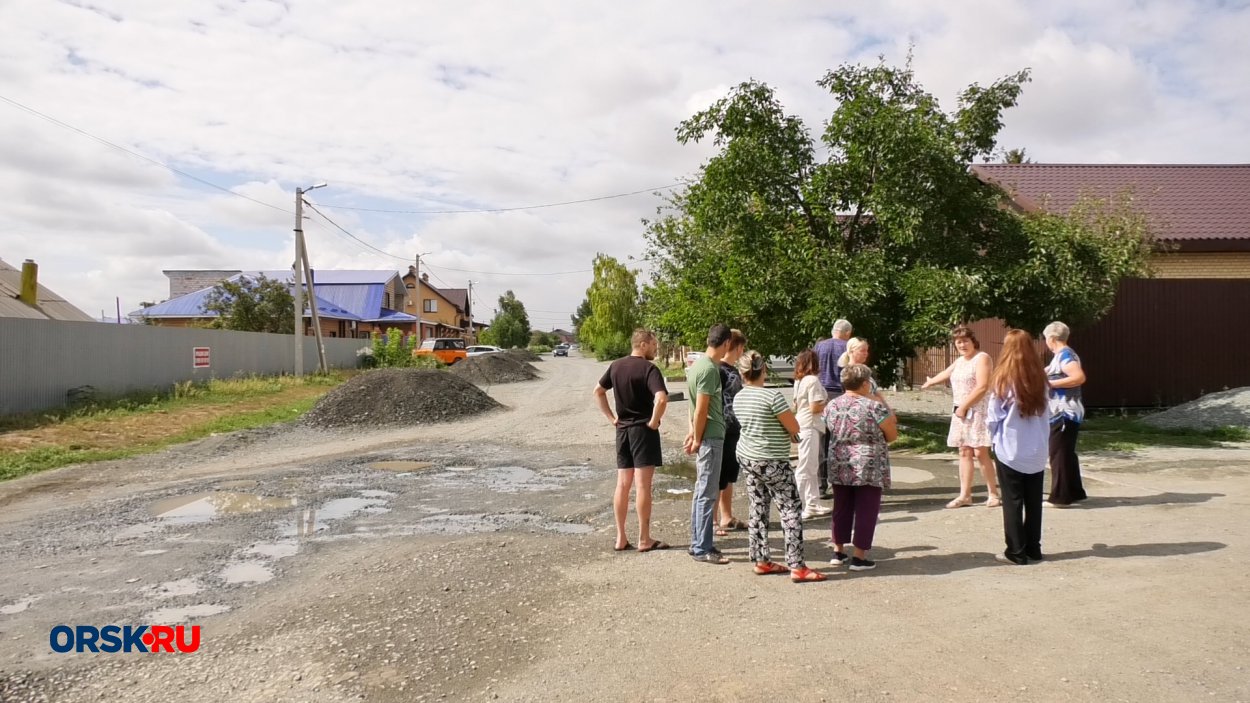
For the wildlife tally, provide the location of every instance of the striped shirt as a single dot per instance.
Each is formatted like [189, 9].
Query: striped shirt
[763, 437]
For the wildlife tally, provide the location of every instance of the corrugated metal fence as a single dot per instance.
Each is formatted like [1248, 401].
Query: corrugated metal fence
[40, 360]
[1165, 342]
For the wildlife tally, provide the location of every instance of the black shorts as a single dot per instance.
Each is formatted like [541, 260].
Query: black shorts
[729, 459]
[638, 446]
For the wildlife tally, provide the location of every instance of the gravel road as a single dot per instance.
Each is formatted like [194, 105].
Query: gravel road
[472, 561]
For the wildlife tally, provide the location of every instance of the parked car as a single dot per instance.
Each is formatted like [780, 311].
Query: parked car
[448, 350]
[692, 357]
[560, 350]
[481, 349]
[781, 367]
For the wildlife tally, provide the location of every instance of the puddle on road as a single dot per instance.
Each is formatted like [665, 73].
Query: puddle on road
[150, 552]
[514, 479]
[202, 507]
[247, 572]
[313, 520]
[179, 616]
[684, 469]
[401, 465]
[462, 468]
[19, 606]
[173, 589]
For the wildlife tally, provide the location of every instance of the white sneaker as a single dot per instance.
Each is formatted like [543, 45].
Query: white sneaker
[822, 510]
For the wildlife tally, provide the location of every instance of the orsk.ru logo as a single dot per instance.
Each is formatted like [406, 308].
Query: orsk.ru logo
[111, 639]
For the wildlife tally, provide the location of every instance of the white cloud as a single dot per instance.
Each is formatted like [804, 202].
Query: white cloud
[424, 106]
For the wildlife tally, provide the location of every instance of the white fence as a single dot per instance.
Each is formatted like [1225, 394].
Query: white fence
[40, 360]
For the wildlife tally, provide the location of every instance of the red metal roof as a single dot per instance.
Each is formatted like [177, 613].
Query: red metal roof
[1190, 201]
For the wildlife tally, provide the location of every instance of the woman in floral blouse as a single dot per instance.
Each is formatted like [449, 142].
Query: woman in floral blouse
[860, 430]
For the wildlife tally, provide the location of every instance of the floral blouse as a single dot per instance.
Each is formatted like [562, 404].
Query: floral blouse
[858, 452]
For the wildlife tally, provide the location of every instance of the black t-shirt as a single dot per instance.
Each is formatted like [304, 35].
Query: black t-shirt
[634, 381]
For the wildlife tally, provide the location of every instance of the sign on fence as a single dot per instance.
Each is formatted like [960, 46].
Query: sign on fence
[201, 357]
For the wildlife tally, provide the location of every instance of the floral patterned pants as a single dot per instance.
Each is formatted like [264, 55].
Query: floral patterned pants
[767, 480]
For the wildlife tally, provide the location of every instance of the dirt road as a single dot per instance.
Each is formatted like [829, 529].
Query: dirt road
[472, 562]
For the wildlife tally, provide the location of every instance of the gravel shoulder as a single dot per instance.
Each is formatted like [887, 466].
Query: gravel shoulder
[487, 574]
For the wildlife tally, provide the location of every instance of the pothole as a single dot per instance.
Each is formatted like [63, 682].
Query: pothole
[202, 507]
[247, 572]
[173, 589]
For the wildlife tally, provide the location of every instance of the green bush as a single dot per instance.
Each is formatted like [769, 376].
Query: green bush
[426, 362]
[614, 346]
[539, 348]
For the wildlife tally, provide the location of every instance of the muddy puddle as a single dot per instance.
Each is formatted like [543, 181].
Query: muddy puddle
[404, 466]
[683, 469]
[247, 572]
[174, 589]
[202, 507]
[317, 519]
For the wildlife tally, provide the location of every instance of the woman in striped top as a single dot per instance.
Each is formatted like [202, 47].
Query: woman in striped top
[767, 428]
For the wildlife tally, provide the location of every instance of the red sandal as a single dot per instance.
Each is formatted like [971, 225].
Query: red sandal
[805, 575]
[765, 568]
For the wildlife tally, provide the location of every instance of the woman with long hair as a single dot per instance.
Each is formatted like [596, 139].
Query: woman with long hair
[1018, 418]
[969, 376]
[768, 425]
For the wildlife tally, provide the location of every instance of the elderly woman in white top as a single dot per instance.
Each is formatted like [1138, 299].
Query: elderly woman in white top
[1067, 412]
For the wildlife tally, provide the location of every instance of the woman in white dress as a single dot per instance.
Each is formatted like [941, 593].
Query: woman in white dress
[969, 377]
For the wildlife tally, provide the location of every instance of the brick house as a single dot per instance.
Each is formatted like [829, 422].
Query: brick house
[1170, 338]
[351, 304]
[444, 312]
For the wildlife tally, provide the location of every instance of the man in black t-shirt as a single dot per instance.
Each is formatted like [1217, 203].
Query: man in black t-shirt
[638, 388]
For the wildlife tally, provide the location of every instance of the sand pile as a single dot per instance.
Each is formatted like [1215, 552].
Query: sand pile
[489, 369]
[1211, 411]
[523, 355]
[399, 397]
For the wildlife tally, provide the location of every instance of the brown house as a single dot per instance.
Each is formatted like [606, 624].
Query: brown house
[21, 295]
[1170, 338]
[444, 312]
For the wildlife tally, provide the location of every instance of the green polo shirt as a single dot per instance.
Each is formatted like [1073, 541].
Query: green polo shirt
[703, 378]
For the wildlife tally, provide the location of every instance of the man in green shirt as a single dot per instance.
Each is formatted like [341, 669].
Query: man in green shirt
[706, 441]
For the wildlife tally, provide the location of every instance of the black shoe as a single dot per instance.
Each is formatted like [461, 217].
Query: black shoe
[858, 564]
[1008, 559]
[1035, 556]
[826, 495]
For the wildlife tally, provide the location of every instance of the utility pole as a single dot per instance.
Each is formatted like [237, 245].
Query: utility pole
[301, 266]
[469, 312]
[416, 273]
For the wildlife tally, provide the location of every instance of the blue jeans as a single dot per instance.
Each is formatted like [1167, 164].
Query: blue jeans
[706, 490]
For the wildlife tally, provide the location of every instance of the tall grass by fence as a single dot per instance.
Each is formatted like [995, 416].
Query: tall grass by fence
[42, 360]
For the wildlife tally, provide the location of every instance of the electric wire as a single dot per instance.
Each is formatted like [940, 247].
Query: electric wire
[502, 209]
[136, 154]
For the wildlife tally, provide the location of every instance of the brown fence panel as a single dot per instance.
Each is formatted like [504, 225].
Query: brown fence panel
[1167, 341]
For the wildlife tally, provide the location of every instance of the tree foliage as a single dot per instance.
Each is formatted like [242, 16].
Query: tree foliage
[577, 318]
[881, 222]
[252, 305]
[511, 326]
[614, 309]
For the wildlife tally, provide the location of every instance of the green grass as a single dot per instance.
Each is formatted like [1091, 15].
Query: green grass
[673, 373]
[126, 426]
[927, 434]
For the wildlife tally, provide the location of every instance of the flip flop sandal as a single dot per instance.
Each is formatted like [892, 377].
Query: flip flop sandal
[655, 544]
[721, 532]
[626, 548]
[959, 503]
[735, 524]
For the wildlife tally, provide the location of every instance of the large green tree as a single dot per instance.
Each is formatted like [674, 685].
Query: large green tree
[880, 222]
[252, 305]
[577, 318]
[511, 326]
[614, 313]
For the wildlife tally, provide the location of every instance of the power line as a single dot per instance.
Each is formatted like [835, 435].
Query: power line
[504, 209]
[344, 231]
[136, 154]
[505, 273]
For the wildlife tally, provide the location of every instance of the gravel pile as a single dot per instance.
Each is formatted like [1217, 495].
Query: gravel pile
[1211, 411]
[523, 355]
[399, 397]
[489, 369]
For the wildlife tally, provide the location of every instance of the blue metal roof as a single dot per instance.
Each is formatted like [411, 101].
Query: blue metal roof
[363, 300]
[192, 305]
[392, 316]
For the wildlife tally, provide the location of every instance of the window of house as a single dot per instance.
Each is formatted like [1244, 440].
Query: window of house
[431, 305]
[386, 301]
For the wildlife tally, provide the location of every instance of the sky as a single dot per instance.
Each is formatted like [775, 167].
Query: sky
[491, 105]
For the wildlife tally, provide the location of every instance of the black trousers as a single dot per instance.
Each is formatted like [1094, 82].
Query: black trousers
[1022, 511]
[822, 470]
[1065, 467]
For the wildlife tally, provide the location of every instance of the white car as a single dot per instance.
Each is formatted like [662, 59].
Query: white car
[482, 349]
